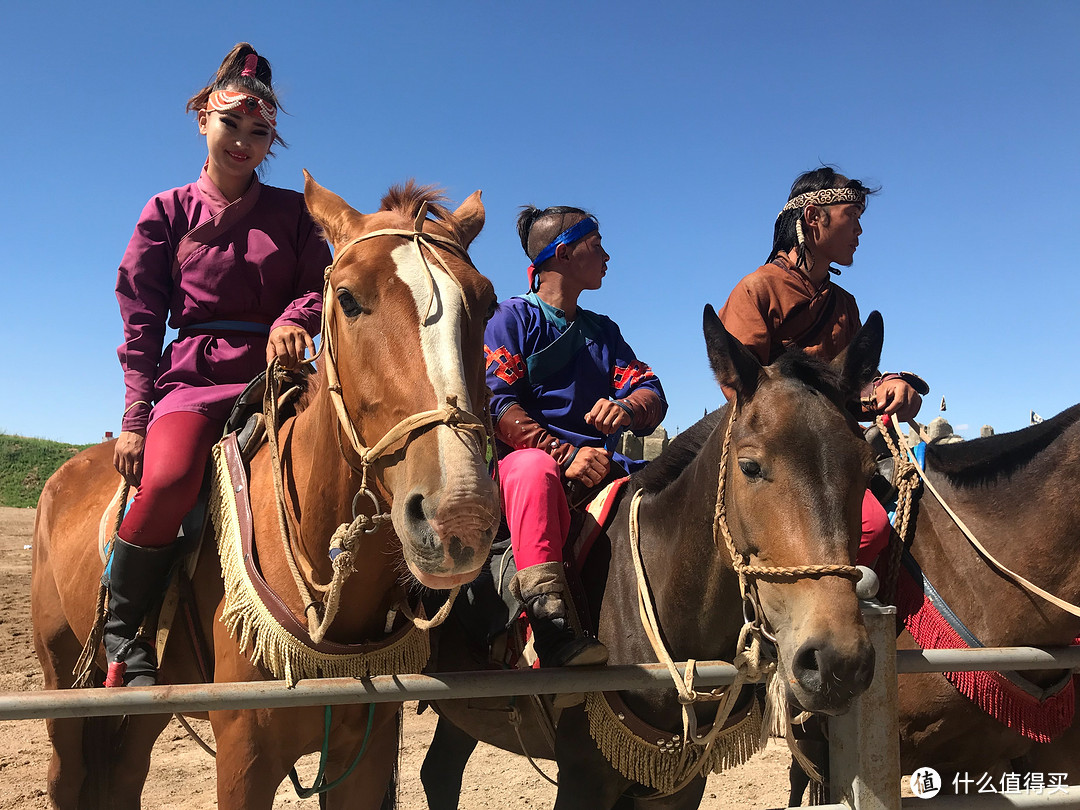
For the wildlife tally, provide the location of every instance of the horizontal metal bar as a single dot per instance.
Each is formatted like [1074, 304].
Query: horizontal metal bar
[449, 686]
[987, 659]
[988, 801]
[340, 691]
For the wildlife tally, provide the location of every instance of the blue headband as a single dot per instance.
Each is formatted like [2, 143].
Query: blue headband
[571, 234]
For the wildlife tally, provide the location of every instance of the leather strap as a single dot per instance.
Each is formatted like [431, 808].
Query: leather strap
[277, 607]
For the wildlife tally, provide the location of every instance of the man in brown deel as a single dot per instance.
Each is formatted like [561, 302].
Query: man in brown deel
[792, 302]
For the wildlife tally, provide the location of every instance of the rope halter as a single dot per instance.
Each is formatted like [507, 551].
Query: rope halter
[750, 574]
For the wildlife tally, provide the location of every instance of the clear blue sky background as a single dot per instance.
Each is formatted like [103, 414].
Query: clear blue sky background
[682, 125]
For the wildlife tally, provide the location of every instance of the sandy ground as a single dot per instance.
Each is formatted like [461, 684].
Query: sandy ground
[182, 777]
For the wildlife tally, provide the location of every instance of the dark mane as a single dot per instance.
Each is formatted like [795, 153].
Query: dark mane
[797, 365]
[310, 383]
[407, 199]
[683, 449]
[979, 460]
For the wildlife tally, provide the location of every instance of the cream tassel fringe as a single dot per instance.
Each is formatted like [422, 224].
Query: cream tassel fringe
[256, 631]
[664, 765]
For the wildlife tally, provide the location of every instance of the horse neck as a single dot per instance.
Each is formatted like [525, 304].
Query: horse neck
[695, 590]
[1028, 519]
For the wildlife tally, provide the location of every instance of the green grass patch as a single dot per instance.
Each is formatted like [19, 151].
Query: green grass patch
[26, 464]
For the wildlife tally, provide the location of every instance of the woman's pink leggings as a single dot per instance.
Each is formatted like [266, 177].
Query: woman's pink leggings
[537, 513]
[174, 459]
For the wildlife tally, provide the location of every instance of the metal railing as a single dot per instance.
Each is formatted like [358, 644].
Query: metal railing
[864, 743]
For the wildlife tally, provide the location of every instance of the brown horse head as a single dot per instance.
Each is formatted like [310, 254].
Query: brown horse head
[796, 477]
[406, 321]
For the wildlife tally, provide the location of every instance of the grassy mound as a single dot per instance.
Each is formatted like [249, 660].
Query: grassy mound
[26, 464]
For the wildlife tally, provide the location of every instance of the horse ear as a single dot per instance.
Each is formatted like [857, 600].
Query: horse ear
[734, 365]
[469, 218]
[859, 362]
[331, 213]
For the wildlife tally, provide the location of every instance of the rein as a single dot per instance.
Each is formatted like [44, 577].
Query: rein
[345, 540]
[901, 451]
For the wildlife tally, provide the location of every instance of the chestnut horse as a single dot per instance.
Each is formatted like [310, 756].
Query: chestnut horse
[1016, 493]
[794, 473]
[404, 313]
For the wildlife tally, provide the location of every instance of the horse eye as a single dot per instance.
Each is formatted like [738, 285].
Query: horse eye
[348, 304]
[750, 468]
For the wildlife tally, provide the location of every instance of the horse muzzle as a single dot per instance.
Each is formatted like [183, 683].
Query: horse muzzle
[446, 540]
[825, 678]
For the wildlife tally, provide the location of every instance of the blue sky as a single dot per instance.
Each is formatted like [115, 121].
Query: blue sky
[682, 125]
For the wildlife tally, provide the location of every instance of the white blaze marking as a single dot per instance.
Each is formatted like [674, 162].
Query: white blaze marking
[440, 342]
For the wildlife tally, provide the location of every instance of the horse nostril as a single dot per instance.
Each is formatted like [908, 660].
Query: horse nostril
[414, 508]
[806, 667]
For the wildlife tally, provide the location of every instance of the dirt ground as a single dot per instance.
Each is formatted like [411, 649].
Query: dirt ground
[181, 777]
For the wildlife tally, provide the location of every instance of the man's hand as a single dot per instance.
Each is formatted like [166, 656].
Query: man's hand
[288, 344]
[898, 398]
[589, 466]
[128, 456]
[607, 417]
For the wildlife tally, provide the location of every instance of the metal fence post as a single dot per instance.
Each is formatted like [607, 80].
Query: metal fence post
[864, 744]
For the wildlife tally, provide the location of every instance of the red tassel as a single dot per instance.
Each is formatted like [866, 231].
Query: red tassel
[115, 677]
[990, 691]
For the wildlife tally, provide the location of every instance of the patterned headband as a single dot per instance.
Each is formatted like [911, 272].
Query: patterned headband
[228, 100]
[824, 196]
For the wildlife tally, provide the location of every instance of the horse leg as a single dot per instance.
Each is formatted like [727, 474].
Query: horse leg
[811, 740]
[70, 780]
[368, 786]
[586, 779]
[444, 765]
[250, 761]
[130, 761]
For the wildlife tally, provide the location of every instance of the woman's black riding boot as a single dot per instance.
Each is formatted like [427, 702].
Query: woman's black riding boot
[137, 578]
[542, 588]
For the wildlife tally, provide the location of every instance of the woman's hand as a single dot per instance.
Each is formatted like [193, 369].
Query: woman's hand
[128, 456]
[288, 344]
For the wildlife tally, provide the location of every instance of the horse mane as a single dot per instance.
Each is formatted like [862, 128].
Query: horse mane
[407, 199]
[794, 364]
[309, 386]
[983, 459]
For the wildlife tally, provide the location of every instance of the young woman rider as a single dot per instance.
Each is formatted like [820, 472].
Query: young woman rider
[236, 267]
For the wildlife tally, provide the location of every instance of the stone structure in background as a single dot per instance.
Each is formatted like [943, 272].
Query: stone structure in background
[938, 431]
[631, 446]
[985, 432]
[655, 443]
[648, 448]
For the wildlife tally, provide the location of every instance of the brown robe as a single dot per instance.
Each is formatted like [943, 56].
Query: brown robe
[777, 307]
